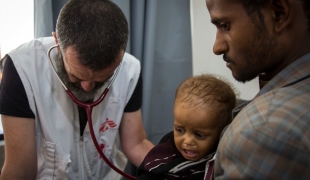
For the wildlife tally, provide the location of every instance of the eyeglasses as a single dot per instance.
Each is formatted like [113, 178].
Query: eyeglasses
[89, 108]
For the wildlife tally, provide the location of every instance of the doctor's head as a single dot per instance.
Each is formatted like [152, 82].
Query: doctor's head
[92, 37]
[202, 108]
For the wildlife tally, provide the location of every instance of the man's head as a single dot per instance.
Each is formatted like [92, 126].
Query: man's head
[202, 108]
[259, 36]
[96, 29]
[92, 37]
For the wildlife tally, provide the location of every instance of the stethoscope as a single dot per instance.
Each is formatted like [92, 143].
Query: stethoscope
[89, 108]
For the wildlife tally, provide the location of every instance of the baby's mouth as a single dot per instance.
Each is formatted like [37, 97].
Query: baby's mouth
[189, 153]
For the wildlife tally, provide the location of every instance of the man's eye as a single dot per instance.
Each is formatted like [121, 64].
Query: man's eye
[224, 26]
[73, 79]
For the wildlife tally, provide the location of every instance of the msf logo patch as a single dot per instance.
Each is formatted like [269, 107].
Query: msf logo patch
[108, 124]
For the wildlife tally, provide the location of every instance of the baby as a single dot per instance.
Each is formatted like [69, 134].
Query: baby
[202, 109]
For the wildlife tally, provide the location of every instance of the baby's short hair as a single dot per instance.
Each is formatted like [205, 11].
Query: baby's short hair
[208, 91]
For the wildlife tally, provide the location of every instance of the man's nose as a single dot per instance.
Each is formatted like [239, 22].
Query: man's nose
[220, 45]
[87, 85]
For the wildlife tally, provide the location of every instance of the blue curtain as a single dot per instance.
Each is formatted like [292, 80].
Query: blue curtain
[160, 37]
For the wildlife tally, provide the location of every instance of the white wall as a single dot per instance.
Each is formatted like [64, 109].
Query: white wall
[16, 23]
[16, 26]
[204, 61]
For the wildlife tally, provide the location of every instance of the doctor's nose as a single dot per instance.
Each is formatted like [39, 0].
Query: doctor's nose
[220, 46]
[87, 85]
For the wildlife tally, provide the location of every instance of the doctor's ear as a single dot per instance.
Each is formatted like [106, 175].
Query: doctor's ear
[56, 40]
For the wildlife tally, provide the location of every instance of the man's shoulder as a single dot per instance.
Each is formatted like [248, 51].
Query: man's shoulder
[130, 58]
[285, 108]
[36, 44]
[131, 64]
[289, 97]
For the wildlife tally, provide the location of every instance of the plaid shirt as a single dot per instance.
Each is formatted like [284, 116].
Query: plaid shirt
[270, 137]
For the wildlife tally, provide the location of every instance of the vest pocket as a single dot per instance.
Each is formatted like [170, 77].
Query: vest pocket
[114, 102]
[53, 166]
[63, 169]
[48, 152]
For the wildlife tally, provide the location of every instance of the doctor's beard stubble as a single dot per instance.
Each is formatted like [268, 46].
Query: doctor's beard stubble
[75, 87]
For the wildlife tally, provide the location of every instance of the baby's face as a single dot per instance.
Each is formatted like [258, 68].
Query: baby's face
[196, 131]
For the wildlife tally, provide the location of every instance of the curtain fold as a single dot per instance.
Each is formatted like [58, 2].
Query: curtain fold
[43, 18]
[137, 22]
[148, 55]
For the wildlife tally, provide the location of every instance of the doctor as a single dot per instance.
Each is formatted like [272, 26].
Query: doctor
[46, 133]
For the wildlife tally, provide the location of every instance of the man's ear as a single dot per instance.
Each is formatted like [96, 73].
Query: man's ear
[56, 40]
[283, 14]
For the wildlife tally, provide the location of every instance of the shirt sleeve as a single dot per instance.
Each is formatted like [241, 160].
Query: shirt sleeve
[13, 98]
[135, 102]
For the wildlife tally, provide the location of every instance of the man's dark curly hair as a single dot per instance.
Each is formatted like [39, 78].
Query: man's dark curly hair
[96, 29]
[253, 8]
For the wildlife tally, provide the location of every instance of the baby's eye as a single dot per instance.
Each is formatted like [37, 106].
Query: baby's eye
[179, 130]
[200, 135]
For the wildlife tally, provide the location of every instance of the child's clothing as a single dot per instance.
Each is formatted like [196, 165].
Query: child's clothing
[164, 161]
